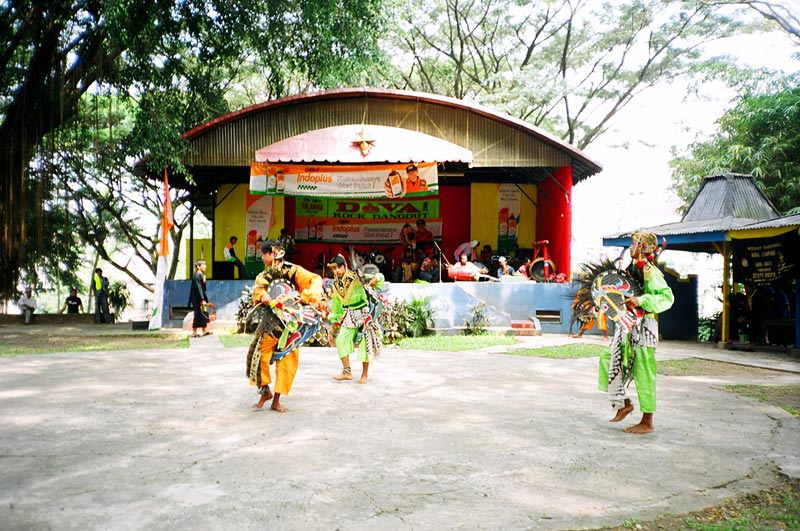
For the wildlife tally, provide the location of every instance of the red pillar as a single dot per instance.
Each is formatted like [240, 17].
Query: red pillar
[554, 217]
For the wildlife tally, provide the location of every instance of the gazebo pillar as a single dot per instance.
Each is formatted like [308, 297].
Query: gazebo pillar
[726, 290]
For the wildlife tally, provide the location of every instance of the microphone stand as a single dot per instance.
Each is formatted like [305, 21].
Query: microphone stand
[441, 258]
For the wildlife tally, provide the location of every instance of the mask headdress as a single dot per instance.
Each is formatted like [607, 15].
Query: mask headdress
[648, 247]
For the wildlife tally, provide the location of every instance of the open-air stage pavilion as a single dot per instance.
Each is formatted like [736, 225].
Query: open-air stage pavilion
[315, 164]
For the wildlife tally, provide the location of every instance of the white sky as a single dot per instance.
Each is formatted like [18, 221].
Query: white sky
[633, 190]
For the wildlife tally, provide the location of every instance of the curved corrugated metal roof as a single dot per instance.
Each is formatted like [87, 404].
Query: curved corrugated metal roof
[496, 140]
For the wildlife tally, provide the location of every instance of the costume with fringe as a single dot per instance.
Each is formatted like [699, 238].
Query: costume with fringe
[283, 327]
[631, 353]
[356, 307]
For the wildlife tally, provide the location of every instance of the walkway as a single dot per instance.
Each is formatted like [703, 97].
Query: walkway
[467, 440]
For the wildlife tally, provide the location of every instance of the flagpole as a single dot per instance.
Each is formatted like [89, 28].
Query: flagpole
[157, 316]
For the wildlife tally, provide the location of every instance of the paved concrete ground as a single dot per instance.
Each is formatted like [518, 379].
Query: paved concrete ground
[468, 440]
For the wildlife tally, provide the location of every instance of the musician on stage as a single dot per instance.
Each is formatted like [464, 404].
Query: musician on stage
[309, 287]
[357, 327]
[465, 270]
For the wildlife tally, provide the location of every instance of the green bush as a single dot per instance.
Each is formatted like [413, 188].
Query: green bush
[706, 327]
[119, 298]
[477, 322]
[401, 319]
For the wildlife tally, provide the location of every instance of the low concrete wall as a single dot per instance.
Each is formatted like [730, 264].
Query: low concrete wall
[451, 301]
[549, 303]
[50, 318]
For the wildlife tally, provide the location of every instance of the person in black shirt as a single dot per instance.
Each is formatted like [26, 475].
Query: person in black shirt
[73, 304]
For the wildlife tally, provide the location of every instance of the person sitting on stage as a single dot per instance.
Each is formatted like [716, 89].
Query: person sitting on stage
[429, 270]
[230, 256]
[468, 248]
[504, 268]
[465, 270]
[407, 236]
[407, 272]
[424, 239]
[524, 270]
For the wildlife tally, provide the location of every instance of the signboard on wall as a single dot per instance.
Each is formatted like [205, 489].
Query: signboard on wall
[762, 261]
[375, 180]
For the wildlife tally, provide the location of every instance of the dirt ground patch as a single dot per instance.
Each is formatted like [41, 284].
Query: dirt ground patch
[19, 344]
[777, 507]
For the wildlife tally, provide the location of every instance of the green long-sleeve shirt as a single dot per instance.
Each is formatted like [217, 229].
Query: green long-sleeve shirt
[657, 295]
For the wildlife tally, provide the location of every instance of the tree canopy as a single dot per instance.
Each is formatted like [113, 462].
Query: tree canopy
[567, 66]
[177, 59]
[759, 136]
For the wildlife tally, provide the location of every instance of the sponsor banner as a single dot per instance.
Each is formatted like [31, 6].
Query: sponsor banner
[362, 221]
[328, 230]
[375, 180]
[259, 220]
[258, 178]
[508, 205]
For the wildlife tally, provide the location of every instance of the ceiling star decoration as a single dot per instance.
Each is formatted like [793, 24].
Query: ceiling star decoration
[364, 142]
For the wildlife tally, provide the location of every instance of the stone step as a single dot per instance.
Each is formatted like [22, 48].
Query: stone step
[522, 325]
[527, 332]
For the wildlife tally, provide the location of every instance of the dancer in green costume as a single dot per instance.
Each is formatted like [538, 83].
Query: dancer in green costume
[350, 309]
[634, 350]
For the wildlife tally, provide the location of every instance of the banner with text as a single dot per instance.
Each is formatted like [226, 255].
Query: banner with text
[762, 261]
[508, 206]
[375, 180]
[259, 220]
[326, 219]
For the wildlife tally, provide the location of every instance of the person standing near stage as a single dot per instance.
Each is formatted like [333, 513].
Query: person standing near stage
[309, 288]
[102, 315]
[637, 347]
[198, 299]
[357, 328]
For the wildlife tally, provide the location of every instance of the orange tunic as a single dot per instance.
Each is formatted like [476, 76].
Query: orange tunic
[309, 286]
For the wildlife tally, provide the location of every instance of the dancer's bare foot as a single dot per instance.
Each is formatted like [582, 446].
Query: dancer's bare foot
[623, 412]
[576, 336]
[263, 400]
[343, 376]
[363, 379]
[645, 425]
[276, 404]
[639, 428]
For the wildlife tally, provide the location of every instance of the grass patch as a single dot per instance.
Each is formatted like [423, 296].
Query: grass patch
[777, 507]
[576, 350]
[454, 343]
[50, 345]
[786, 397]
[679, 367]
[236, 340]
